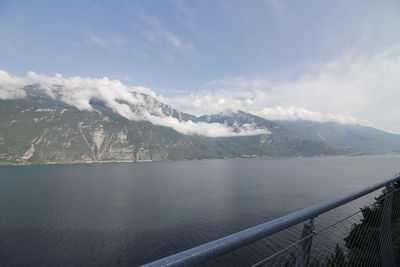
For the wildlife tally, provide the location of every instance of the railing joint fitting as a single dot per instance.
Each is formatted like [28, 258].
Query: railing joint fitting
[314, 232]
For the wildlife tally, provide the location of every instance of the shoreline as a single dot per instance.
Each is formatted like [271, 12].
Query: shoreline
[151, 161]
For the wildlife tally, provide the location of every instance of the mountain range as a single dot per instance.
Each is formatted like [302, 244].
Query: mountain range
[43, 129]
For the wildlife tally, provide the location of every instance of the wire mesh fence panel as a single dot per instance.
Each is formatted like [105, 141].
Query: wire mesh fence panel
[370, 236]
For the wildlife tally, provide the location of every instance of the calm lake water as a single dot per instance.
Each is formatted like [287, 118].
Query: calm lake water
[127, 214]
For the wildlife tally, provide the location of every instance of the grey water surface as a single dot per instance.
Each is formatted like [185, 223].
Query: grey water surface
[127, 214]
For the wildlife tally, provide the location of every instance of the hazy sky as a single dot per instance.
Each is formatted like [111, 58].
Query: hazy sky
[320, 60]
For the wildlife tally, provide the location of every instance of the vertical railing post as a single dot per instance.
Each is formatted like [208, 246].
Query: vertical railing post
[385, 237]
[303, 252]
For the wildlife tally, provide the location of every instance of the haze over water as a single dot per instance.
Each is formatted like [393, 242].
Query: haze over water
[126, 214]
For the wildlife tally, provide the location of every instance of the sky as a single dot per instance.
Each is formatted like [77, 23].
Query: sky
[315, 59]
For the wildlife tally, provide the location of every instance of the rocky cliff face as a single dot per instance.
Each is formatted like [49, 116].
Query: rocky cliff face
[47, 131]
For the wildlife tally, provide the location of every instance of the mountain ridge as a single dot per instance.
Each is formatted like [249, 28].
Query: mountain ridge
[358, 137]
[44, 129]
[40, 129]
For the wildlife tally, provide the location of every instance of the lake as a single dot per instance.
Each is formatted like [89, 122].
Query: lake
[127, 214]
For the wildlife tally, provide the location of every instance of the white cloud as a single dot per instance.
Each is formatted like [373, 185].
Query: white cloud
[78, 91]
[291, 113]
[203, 128]
[105, 42]
[349, 89]
[218, 101]
[10, 86]
[158, 32]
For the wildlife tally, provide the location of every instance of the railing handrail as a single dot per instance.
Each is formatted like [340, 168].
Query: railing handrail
[234, 241]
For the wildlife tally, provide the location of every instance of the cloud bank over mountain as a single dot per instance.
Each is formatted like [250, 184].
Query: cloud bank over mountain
[78, 92]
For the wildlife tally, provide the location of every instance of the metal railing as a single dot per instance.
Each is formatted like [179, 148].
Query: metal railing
[301, 257]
